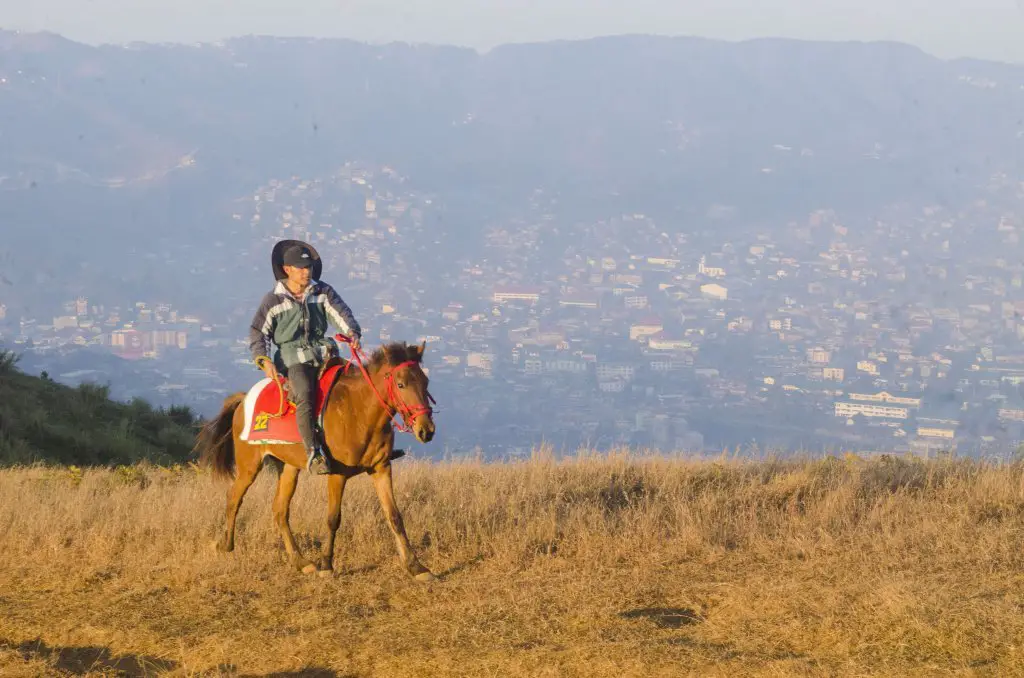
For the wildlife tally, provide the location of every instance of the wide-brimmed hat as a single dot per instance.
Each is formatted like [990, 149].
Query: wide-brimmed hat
[277, 258]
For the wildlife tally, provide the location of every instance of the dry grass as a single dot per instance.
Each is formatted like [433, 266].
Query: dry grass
[594, 567]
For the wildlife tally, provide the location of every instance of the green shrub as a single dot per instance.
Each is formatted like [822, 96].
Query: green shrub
[42, 421]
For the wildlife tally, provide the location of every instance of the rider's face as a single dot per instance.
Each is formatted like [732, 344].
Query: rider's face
[298, 276]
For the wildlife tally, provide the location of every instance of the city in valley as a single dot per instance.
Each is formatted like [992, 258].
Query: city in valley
[818, 333]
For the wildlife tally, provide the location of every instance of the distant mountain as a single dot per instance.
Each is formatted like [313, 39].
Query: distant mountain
[157, 134]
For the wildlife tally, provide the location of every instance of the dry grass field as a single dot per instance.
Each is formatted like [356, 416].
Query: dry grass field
[612, 566]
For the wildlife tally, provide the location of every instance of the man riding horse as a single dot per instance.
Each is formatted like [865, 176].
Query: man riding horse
[359, 409]
[295, 316]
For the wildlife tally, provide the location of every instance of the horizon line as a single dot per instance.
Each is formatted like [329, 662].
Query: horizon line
[480, 51]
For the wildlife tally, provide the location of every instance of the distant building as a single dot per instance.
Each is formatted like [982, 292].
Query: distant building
[169, 339]
[933, 432]
[480, 361]
[833, 373]
[130, 344]
[885, 397]
[818, 355]
[867, 366]
[65, 322]
[578, 302]
[1008, 414]
[709, 271]
[660, 342]
[627, 279]
[565, 365]
[714, 291]
[636, 301]
[664, 262]
[848, 409]
[645, 329]
[615, 371]
[506, 294]
[669, 364]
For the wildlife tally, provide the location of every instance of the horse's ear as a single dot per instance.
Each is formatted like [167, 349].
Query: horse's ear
[422, 348]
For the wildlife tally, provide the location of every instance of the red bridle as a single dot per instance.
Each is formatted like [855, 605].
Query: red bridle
[409, 412]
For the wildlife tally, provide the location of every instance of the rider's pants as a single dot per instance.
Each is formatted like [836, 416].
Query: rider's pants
[302, 383]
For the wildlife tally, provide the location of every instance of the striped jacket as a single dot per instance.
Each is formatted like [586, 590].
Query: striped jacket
[298, 328]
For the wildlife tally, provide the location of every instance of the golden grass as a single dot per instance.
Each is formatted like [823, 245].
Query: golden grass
[591, 567]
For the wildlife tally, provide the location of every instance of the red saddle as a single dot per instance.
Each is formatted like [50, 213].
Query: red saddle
[263, 403]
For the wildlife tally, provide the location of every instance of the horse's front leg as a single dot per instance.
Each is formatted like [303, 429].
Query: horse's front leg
[335, 491]
[385, 492]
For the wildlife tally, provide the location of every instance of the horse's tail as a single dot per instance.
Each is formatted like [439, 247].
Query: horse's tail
[216, 441]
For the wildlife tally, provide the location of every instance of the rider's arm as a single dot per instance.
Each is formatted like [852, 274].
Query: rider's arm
[339, 313]
[261, 330]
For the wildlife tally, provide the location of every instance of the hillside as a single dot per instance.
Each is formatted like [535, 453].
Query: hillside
[43, 421]
[619, 566]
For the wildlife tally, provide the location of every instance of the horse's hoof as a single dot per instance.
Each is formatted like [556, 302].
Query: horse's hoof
[325, 574]
[425, 577]
[220, 547]
[309, 569]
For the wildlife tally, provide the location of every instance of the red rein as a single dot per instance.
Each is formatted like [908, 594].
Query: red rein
[409, 413]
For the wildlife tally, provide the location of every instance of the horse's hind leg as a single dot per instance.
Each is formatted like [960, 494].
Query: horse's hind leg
[386, 493]
[248, 465]
[286, 483]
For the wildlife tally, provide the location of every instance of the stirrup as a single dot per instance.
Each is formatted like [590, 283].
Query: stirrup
[316, 462]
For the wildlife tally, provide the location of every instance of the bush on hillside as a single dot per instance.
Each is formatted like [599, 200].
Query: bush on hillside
[43, 421]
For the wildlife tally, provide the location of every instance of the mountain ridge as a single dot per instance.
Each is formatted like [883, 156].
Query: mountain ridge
[166, 100]
[8, 35]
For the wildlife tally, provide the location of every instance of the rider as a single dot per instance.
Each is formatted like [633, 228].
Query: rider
[294, 315]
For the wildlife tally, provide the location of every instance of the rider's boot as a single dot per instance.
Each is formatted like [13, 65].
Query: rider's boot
[316, 461]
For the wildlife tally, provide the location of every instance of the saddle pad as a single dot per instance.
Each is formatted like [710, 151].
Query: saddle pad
[262, 403]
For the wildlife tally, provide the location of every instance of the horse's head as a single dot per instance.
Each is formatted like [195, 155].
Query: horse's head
[405, 387]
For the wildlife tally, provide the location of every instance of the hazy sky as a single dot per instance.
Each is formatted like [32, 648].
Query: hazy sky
[992, 29]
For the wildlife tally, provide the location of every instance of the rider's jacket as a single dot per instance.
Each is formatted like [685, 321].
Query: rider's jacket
[298, 327]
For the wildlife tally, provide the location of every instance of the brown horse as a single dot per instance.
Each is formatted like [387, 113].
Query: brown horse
[360, 438]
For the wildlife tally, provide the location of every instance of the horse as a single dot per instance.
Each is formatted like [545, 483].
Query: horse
[358, 428]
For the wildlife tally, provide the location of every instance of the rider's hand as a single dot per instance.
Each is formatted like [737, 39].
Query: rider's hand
[355, 343]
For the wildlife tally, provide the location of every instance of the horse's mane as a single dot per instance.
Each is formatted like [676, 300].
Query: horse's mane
[389, 355]
[395, 353]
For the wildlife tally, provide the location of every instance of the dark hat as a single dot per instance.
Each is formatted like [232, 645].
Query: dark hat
[299, 256]
[295, 253]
